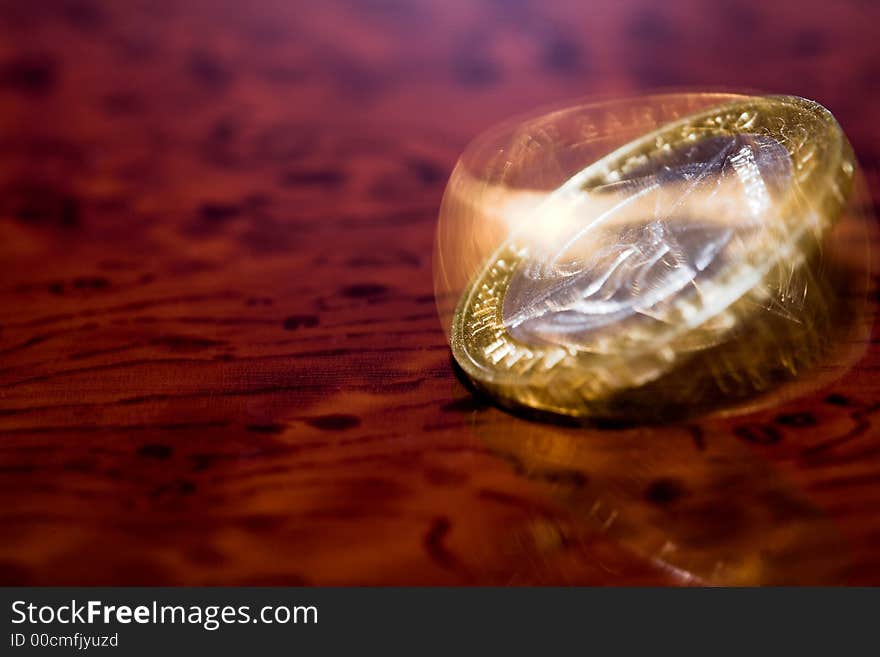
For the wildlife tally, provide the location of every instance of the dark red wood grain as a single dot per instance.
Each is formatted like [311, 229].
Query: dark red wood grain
[220, 360]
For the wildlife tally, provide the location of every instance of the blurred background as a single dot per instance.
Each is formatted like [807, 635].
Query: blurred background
[215, 74]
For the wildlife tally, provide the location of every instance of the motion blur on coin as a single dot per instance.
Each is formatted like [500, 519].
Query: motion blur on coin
[654, 257]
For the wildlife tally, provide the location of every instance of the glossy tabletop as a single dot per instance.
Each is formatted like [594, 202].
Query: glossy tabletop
[220, 358]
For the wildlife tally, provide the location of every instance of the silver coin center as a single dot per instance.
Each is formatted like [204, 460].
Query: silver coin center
[672, 222]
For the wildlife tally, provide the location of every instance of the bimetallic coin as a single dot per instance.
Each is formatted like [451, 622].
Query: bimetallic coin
[677, 269]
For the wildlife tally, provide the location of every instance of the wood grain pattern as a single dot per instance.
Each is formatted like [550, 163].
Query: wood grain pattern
[220, 361]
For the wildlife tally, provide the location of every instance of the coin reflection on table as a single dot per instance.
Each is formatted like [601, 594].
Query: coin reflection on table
[707, 514]
[591, 270]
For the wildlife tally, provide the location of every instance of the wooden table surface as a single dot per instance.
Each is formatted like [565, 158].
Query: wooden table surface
[221, 360]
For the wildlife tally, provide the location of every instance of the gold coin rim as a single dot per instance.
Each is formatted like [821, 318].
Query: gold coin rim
[825, 173]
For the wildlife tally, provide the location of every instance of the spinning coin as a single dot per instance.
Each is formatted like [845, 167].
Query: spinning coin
[680, 269]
